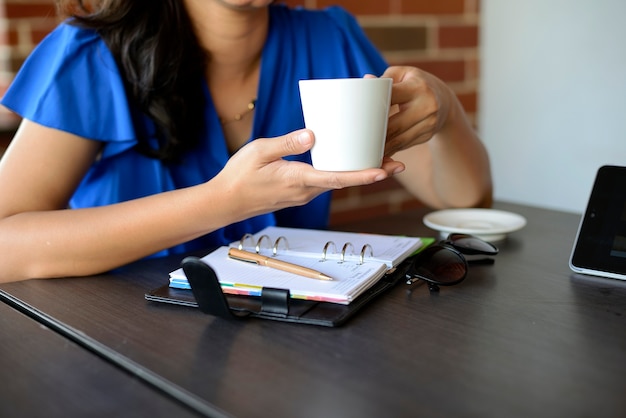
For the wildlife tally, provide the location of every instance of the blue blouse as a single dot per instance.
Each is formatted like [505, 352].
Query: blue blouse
[72, 83]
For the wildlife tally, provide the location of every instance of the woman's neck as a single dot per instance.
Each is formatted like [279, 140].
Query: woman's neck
[233, 37]
[234, 40]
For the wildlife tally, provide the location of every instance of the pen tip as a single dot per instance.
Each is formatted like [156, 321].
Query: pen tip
[325, 277]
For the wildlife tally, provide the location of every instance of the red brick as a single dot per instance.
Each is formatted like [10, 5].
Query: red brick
[22, 10]
[379, 187]
[42, 31]
[363, 213]
[411, 204]
[458, 36]
[398, 38]
[438, 7]
[359, 7]
[12, 37]
[447, 70]
[469, 101]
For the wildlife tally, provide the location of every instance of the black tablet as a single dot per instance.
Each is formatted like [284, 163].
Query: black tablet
[600, 245]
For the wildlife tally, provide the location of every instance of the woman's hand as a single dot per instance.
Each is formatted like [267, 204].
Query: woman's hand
[420, 107]
[261, 181]
[446, 164]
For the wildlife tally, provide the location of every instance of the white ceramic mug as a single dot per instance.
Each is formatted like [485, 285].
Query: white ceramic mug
[349, 119]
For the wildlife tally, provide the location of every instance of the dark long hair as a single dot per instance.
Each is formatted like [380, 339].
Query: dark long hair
[161, 62]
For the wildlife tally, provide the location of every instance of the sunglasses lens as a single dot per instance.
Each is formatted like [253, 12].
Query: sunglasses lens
[439, 265]
[469, 244]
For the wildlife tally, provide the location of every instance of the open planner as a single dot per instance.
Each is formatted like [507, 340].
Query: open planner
[362, 266]
[354, 261]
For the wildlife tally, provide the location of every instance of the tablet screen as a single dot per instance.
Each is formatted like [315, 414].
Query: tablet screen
[600, 246]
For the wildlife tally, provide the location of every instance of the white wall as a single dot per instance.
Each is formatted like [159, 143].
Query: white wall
[552, 97]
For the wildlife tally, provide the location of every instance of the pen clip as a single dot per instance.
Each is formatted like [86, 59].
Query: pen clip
[241, 255]
[247, 260]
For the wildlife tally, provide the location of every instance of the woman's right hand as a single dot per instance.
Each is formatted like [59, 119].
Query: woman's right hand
[261, 181]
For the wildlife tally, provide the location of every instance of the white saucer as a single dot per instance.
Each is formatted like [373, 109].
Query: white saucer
[487, 224]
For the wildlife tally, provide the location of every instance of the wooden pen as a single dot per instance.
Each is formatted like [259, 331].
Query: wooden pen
[262, 260]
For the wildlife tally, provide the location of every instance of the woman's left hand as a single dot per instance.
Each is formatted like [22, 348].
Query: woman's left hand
[420, 103]
[451, 168]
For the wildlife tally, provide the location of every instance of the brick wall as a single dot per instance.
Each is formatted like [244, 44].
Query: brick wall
[439, 36]
[24, 23]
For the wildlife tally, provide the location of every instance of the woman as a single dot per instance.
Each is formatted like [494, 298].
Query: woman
[138, 120]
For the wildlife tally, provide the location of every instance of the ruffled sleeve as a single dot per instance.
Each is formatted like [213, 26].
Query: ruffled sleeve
[71, 82]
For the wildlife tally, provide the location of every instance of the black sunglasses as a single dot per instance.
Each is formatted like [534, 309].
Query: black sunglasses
[445, 264]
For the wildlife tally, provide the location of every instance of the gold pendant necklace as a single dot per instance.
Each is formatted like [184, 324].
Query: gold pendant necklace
[239, 116]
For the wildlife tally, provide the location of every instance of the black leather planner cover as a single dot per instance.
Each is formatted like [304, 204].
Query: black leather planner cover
[274, 304]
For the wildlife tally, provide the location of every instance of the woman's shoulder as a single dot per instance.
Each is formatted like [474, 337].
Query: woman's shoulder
[72, 66]
[72, 46]
[68, 54]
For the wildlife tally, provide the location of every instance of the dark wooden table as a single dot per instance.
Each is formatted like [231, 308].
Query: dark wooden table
[45, 375]
[523, 337]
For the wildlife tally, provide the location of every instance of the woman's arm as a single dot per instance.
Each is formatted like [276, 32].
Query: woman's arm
[446, 163]
[41, 238]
